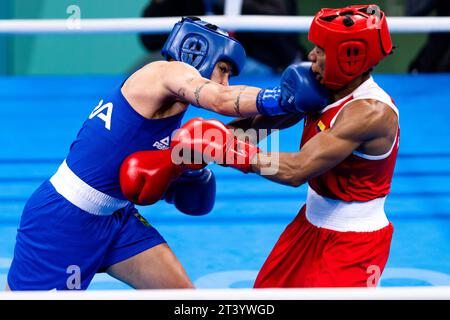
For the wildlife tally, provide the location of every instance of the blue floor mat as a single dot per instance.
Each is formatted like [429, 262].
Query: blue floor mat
[41, 116]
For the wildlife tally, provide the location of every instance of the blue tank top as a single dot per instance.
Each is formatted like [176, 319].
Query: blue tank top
[113, 131]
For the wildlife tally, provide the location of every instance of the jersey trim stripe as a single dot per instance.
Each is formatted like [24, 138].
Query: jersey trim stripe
[379, 157]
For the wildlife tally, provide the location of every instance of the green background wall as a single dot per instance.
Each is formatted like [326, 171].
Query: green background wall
[75, 54]
[120, 53]
[4, 48]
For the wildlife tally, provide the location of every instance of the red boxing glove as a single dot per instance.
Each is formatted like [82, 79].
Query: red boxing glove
[146, 175]
[211, 141]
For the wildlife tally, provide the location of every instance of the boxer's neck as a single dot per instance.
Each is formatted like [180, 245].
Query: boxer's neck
[351, 86]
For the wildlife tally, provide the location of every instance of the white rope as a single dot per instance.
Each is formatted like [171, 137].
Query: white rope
[379, 293]
[234, 23]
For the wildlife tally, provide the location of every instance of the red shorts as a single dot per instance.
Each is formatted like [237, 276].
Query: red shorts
[309, 256]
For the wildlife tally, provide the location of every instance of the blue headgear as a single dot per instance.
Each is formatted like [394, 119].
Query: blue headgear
[202, 45]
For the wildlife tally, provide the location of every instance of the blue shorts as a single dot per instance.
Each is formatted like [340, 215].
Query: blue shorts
[57, 243]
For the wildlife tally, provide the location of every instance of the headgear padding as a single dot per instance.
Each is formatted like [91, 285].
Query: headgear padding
[202, 45]
[354, 38]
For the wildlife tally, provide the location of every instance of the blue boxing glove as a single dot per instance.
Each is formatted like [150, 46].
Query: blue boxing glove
[193, 193]
[299, 92]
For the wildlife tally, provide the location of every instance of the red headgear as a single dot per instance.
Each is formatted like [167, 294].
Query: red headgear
[354, 38]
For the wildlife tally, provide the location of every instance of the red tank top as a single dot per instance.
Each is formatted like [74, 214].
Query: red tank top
[359, 177]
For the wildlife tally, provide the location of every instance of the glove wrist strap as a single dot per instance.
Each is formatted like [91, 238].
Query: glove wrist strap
[268, 102]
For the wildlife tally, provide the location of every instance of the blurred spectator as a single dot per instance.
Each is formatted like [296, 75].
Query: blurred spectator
[274, 50]
[277, 50]
[435, 55]
[170, 8]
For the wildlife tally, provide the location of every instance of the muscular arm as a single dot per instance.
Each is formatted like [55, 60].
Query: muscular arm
[186, 83]
[358, 123]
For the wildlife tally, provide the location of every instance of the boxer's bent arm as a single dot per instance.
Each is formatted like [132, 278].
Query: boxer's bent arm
[186, 83]
[321, 153]
[356, 124]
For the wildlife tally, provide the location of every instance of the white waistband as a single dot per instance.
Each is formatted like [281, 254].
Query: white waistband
[82, 195]
[345, 216]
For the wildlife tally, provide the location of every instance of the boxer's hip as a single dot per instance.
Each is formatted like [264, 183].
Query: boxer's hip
[55, 236]
[310, 256]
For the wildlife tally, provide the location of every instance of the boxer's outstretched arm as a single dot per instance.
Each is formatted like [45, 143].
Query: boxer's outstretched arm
[357, 123]
[186, 83]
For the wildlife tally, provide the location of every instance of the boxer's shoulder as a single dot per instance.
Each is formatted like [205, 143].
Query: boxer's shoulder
[367, 119]
[368, 109]
[163, 68]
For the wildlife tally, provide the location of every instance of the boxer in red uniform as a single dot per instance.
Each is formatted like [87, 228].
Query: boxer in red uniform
[341, 236]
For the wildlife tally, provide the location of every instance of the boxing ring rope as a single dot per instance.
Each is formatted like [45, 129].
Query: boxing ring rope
[392, 293]
[251, 23]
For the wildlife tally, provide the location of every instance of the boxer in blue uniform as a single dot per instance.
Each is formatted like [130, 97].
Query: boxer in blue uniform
[81, 221]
